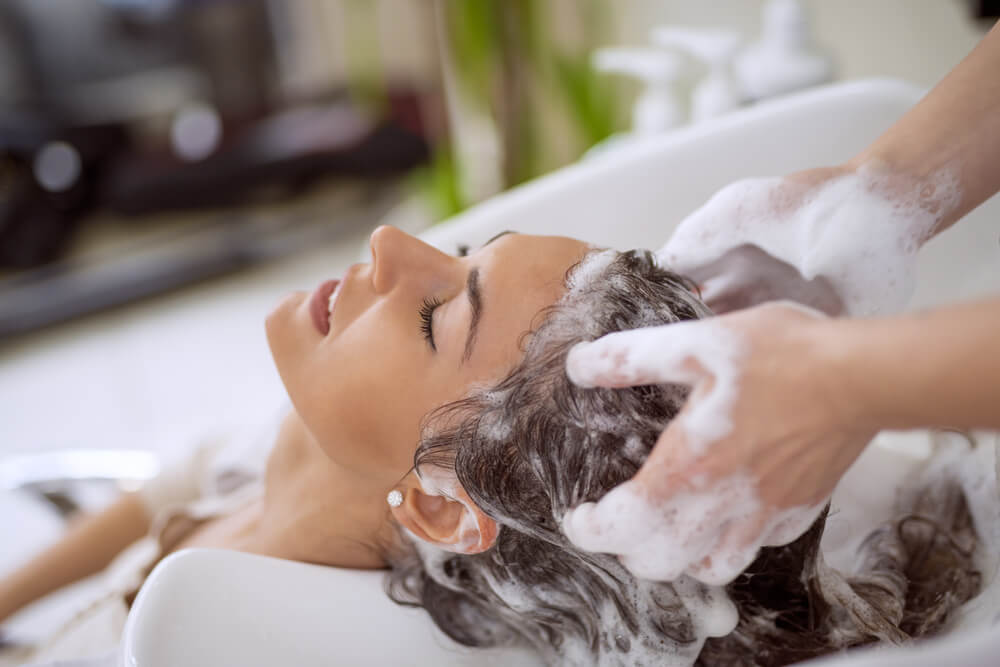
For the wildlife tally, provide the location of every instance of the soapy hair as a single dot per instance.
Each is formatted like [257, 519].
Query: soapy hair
[534, 445]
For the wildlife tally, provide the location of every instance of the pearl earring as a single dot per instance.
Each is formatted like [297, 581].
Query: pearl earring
[395, 498]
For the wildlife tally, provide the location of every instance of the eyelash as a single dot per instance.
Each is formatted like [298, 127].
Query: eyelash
[426, 314]
[428, 306]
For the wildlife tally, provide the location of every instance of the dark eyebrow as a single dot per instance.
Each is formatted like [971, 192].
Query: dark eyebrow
[503, 233]
[463, 248]
[474, 293]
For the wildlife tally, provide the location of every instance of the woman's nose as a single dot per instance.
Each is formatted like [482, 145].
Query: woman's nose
[396, 254]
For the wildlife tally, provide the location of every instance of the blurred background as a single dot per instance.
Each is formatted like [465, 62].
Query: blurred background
[170, 168]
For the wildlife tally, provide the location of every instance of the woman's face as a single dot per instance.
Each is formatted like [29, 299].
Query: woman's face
[411, 331]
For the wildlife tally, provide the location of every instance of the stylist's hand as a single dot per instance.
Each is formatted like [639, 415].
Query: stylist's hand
[750, 460]
[838, 239]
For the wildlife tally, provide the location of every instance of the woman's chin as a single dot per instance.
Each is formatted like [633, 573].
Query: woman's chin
[284, 331]
[279, 319]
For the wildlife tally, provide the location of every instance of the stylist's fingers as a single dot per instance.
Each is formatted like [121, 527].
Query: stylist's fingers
[673, 353]
[658, 523]
[624, 516]
[735, 548]
[703, 236]
[789, 524]
[671, 467]
[653, 355]
[693, 241]
[747, 275]
[609, 524]
[741, 539]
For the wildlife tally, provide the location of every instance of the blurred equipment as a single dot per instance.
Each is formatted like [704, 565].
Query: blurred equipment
[75, 479]
[718, 91]
[66, 289]
[987, 10]
[143, 106]
[785, 58]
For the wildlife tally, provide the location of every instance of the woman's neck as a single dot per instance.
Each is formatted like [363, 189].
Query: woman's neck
[314, 510]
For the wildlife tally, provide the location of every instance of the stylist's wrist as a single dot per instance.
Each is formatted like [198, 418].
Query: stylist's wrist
[895, 164]
[910, 178]
[855, 395]
[875, 381]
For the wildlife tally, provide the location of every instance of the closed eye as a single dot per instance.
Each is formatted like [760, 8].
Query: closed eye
[427, 309]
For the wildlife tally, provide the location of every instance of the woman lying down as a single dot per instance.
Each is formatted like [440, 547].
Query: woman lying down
[432, 435]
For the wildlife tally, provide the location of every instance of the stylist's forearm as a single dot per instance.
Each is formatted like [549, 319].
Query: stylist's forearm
[935, 369]
[953, 130]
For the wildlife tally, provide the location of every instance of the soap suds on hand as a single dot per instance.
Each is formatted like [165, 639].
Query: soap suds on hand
[860, 231]
[663, 540]
[661, 355]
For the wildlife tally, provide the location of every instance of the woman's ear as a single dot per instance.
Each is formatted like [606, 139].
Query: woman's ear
[447, 519]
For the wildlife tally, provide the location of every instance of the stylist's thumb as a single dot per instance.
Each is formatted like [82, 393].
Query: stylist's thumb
[629, 520]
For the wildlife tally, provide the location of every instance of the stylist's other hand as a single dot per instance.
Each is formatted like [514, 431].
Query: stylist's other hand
[751, 458]
[837, 239]
[720, 245]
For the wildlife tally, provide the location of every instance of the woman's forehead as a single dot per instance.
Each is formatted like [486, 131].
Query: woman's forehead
[520, 279]
[552, 252]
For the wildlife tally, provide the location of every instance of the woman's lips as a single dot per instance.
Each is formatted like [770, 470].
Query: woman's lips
[319, 306]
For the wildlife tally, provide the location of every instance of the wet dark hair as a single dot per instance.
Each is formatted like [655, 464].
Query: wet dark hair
[534, 445]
